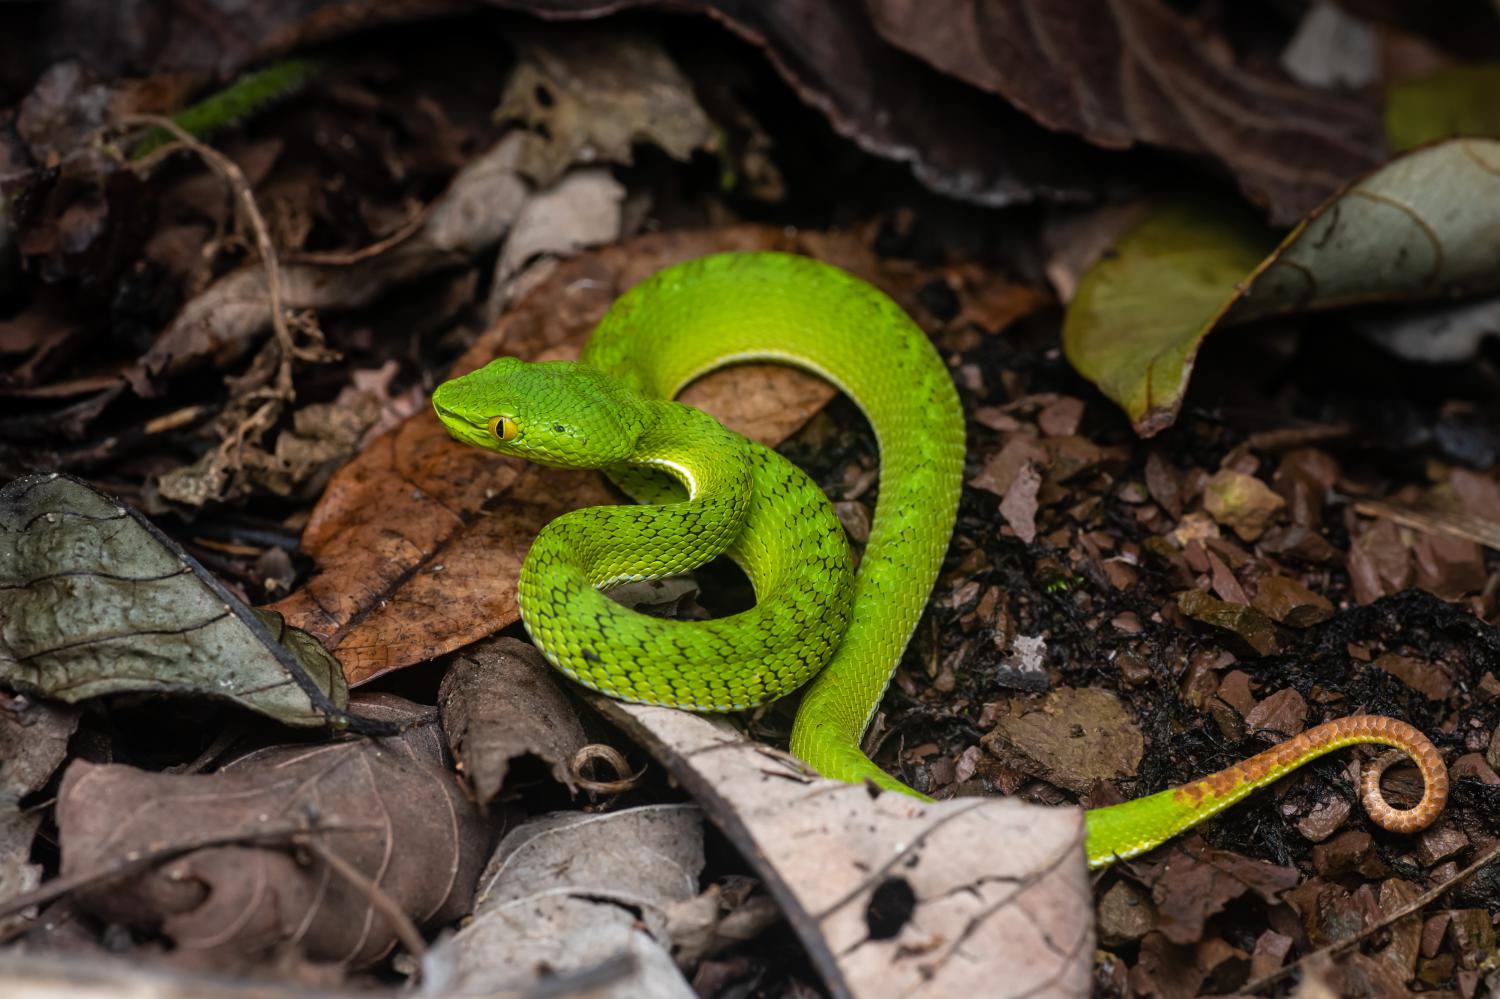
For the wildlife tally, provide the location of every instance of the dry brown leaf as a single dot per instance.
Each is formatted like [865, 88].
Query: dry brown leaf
[1073, 737]
[1137, 72]
[1194, 882]
[419, 539]
[891, 895]
[500, 700]
[388, 807]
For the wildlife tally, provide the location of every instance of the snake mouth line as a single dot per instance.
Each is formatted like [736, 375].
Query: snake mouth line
[448, 415]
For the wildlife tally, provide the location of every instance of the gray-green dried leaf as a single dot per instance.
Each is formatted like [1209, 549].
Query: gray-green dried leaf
[94, 600]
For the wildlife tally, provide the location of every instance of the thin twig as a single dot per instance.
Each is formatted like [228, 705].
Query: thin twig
[1411, 908]
[406, 930]
[345, 258]
[245, 199]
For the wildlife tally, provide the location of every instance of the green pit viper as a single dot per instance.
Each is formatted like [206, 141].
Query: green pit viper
[704, 491]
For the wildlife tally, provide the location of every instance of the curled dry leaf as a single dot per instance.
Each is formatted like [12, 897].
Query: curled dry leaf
[1134, 71]
[593, 93]
[891, 895]
[97, 601]
[1419, 227]
[581, 209]
[419, 539]
[388, 807]
[567, 891]
[500, 700]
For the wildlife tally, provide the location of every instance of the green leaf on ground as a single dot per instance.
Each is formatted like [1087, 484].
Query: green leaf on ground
[95, 600]
[1459, 100]
[1422, 226]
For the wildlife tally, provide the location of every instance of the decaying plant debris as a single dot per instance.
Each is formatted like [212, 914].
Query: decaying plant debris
[225, 501]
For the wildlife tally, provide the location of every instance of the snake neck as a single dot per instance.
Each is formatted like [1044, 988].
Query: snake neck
[707, 460]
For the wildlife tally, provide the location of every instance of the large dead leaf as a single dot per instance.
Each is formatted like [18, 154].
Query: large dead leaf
[1422, 226]
[891, 896]
[1135, 71]
[419, 540]
[95, 600]
[569, 891]
[390, 808]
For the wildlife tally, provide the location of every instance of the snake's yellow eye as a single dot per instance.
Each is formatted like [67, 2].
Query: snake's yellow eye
[504, 428]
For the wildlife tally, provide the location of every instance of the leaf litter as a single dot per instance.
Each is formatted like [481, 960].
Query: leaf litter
[1307, 541]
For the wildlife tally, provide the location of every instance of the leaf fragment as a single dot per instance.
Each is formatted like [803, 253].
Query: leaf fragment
[890, 895]
[500, 700]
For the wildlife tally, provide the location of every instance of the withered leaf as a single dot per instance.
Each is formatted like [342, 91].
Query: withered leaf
[97, 601]
[1252, 627]
[388, 807]
[501, 700]
[1074, 737]
[1135, 71]
[1418, 228]
[566, 890]
[419, 539]
[1195, 882]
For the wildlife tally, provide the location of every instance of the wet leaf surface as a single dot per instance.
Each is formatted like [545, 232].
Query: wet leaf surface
[98, 601]
[389, 808]
[1415, 228]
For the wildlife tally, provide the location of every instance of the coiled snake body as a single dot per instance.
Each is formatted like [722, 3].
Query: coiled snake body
[704, 491]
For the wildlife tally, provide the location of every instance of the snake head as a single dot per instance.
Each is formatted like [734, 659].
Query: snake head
[559, 413]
